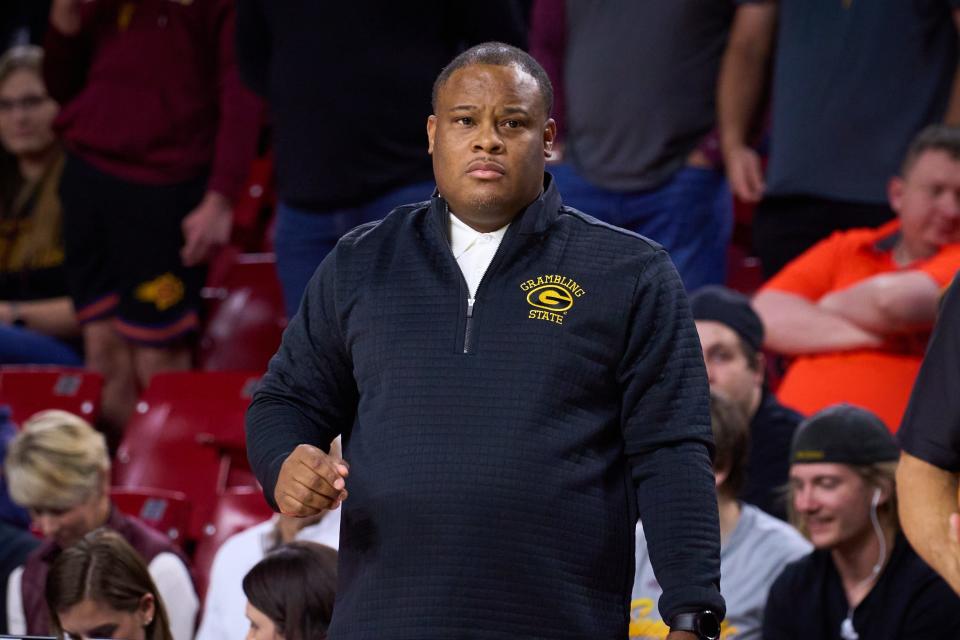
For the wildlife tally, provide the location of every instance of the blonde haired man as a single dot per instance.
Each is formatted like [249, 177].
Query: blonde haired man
[58, 468]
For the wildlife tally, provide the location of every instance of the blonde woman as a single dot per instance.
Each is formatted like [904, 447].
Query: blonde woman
[57, 467]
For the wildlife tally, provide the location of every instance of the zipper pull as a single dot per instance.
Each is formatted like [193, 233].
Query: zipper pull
[467, 328]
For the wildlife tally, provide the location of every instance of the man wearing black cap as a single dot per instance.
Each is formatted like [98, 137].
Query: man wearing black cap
[731, 336]
[863, 580]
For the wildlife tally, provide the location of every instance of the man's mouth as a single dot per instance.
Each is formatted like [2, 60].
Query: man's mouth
[486, 170]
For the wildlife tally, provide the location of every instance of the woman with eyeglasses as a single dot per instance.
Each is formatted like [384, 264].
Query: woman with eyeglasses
[37, 320]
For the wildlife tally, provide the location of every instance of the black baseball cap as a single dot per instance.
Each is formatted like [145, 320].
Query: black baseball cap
[845, 434]
[731, 308]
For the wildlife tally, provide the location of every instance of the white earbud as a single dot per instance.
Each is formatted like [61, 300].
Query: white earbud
[876, 497]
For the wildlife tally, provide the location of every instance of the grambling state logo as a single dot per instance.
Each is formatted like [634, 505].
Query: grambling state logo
[551, 297]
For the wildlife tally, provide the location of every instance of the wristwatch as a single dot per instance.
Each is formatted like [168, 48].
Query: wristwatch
[706, 624]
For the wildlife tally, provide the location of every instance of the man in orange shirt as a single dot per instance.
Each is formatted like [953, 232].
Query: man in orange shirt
[856, 309]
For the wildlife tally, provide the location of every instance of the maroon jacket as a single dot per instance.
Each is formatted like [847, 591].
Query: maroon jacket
[151, 93]
[147, 542]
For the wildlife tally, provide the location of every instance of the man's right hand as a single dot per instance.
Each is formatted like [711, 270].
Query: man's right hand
[310, 482]
[745, 173]
[65, 16]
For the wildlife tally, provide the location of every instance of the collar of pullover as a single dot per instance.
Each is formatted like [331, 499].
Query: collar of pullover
[536, 218]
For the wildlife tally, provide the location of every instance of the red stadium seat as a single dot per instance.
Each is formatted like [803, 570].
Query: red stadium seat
[29, 389]
[744, 272]
[238, 508]
[166, 511]
[246, 315]
[187, 435]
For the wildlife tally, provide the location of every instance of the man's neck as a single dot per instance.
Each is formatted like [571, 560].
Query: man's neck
[730, 511]
[905, 253]
[856, 562]
[32, 165]
[485, 223]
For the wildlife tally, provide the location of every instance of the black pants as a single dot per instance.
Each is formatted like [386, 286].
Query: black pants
[785, 227]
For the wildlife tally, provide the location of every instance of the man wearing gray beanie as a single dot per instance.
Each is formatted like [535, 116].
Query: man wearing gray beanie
[731, 336]
[863, 580]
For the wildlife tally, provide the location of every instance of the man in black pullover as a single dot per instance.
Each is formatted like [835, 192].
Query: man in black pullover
[514, 381]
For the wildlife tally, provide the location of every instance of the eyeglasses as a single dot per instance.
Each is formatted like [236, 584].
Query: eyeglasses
[26, 103]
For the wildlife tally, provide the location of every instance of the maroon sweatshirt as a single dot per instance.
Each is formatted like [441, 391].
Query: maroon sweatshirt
[151, 93]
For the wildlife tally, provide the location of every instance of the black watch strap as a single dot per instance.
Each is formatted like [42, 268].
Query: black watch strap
[706, 624]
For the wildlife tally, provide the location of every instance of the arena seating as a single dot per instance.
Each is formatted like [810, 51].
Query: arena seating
[166, 511]
[246, 318]
[29, 389]
[237, 508]
[187, 435]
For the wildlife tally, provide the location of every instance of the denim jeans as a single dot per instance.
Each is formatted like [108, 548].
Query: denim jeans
[691, 215]
[304, 238]
[23, 346]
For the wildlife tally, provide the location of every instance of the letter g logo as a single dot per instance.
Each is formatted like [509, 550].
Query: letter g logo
[551, 298]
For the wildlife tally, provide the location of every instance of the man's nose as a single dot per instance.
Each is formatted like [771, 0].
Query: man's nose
[488, 139]
[949, 203]
[804, 500]
[711, 378]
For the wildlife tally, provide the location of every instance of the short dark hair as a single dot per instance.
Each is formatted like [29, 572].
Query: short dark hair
[731, 438]
[498, 54]
[936, 137]
[294, 585]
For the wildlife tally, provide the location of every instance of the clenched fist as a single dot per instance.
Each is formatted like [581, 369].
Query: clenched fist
[310, 481]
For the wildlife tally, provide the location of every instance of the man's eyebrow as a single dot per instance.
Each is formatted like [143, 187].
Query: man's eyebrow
[512, 110]
[464, 107]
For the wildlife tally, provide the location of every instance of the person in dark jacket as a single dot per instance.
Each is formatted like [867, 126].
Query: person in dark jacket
[731, 336]
[324, 68]
[863, 579]
[514, 381]
[928, 476]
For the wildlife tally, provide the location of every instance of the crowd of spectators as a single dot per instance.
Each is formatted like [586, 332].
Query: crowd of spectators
[833, 123]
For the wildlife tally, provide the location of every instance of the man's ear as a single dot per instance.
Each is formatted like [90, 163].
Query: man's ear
[895, 188]
[549, 136]
[760, 365]
[431, 132]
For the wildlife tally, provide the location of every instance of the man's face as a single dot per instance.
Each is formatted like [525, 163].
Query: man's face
[927, 200]
[489, 140]
[26, 114]
[832, 502]
[67, 526]
[728, 369]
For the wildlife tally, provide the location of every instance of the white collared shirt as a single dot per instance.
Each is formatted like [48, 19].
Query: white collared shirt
[473, 250]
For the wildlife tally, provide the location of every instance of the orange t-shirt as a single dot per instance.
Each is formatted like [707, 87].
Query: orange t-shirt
[878, 379]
